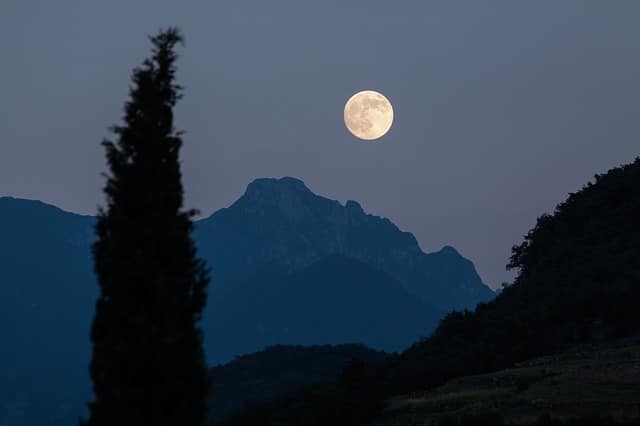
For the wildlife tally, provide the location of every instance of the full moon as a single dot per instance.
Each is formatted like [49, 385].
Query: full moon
[368, 115]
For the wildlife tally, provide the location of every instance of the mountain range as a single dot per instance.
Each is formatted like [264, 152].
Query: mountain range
[280, 221]
[278, 228]
[559, 343]
[288, 267]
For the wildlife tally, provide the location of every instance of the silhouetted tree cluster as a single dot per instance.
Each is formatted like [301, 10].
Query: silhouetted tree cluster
[353, 399]
[148, 366]
[578, 281]
[279, 370]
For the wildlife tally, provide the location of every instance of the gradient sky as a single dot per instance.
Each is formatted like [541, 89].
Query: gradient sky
[502, 107]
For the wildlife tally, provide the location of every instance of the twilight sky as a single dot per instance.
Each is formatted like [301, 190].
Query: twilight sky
[501, 107]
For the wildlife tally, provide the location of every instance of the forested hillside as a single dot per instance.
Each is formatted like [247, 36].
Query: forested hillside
[578, 282]
[278, 370]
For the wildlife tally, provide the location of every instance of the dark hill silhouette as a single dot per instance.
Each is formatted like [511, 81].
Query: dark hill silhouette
[278, 370]
[578, 281]
[578, 287]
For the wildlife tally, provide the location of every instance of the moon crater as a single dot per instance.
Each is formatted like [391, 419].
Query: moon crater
[368, 115]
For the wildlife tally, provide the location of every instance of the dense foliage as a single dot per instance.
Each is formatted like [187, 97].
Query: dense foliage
[352, 400]
[148, 366]
[578, 281]
[276, 371]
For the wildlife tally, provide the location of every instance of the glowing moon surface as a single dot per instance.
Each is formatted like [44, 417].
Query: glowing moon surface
[368, 115]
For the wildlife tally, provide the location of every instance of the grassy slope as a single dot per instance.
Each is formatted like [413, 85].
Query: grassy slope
[587, 379]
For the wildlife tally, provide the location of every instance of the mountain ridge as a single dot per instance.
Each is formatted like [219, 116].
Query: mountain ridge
[293, 226]
[562, 340]
[50, 289]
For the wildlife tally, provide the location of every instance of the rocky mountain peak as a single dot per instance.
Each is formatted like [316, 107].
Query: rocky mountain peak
[354, 206]
[448, 250]
[262, 187]
[280, 222]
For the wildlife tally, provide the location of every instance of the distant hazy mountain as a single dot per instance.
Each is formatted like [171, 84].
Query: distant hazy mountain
[275, 280]
[336, 299]
[278, 370]
[281, 222]
[47, 298]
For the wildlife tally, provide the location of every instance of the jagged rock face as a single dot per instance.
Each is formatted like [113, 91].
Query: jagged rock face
[281, 223]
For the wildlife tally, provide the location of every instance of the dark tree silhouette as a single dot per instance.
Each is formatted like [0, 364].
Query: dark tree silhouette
[353, 373]
[148, 365]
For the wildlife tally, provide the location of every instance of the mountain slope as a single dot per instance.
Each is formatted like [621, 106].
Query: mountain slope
[578, 287]
[578, 281]
[278, 370]
[334, 300]
[47, 297]
[278, 228]
[587, 379]
[281, 222]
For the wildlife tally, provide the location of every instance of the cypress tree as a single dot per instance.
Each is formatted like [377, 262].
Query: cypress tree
[148, 365]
